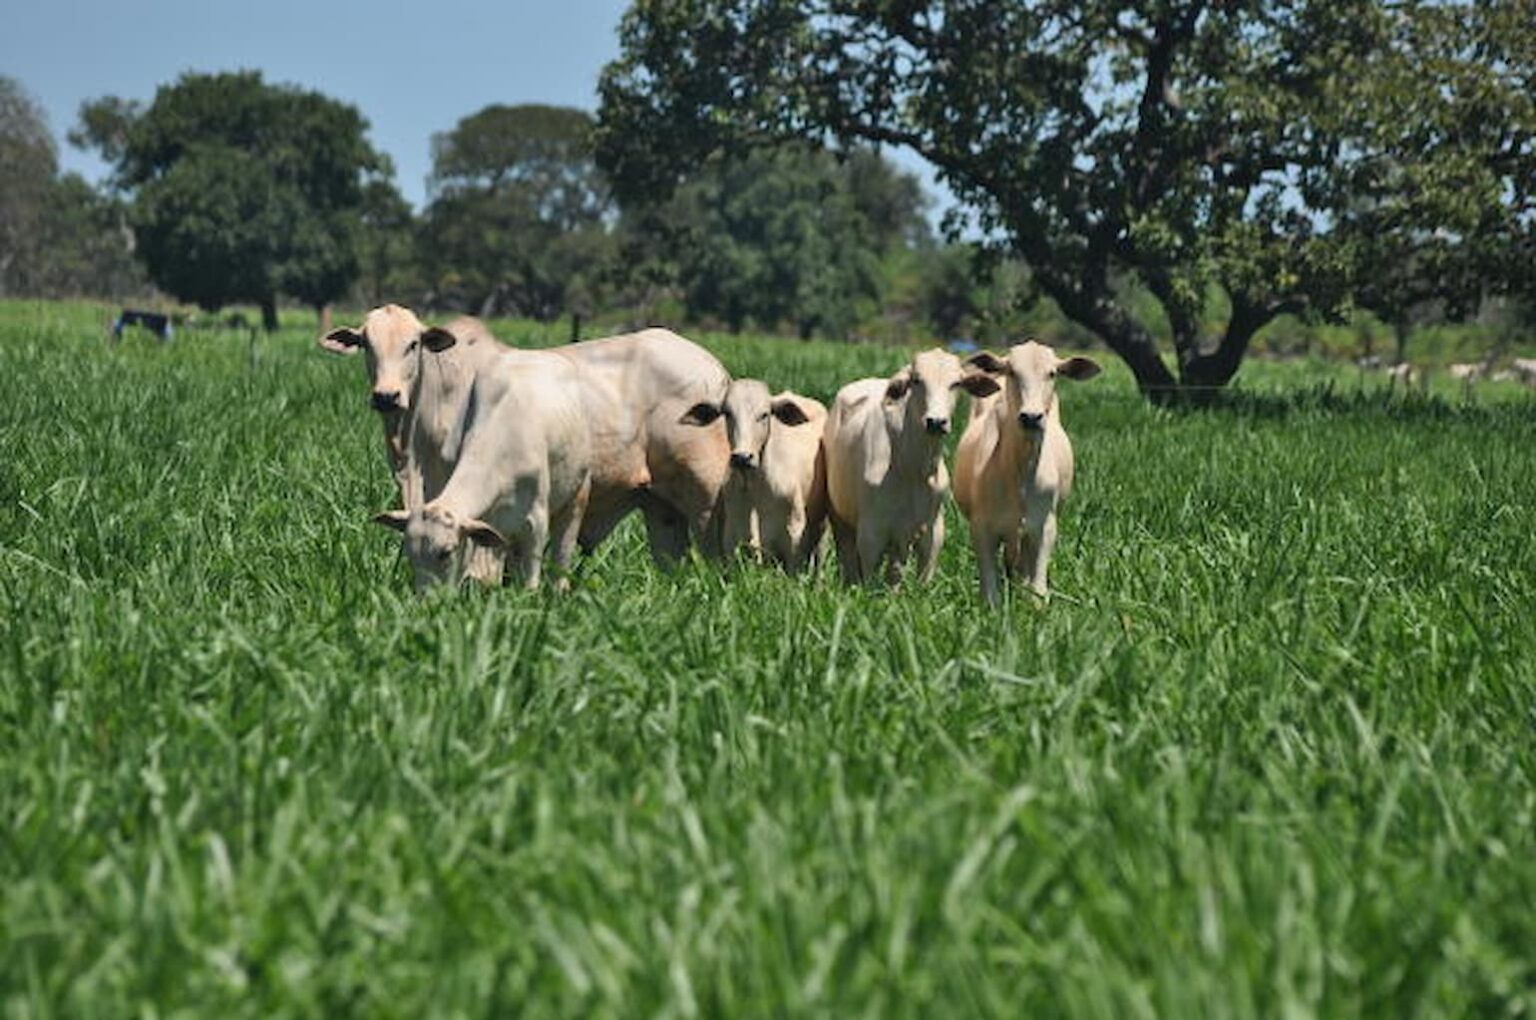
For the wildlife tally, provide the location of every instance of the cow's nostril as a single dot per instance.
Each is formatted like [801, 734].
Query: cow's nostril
[741, 460]
[386, 400]
[1031, 421]
[937, 426]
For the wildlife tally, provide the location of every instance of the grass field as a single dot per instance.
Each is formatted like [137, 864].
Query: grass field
[1271, 750]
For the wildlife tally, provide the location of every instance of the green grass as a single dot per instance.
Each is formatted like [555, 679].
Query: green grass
[1270, 750]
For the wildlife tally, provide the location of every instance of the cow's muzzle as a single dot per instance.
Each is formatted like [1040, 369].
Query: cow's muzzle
[386, 400]
[936, 426]
[1031, 422]
[743, 461]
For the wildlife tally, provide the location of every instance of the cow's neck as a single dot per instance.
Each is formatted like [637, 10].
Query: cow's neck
[913, 454]
[1014, 442]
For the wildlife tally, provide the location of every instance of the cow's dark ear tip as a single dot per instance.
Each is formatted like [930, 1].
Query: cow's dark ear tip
[702, 413]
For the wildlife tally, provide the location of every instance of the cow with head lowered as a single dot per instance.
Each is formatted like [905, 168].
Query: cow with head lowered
[634, 390]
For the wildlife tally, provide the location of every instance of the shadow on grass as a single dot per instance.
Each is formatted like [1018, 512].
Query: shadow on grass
[1330, 399]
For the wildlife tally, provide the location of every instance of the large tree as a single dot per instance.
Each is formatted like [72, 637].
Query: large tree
[518, 212]
[1186, 145]
[240, 190]
[790, 237]
[28, 163]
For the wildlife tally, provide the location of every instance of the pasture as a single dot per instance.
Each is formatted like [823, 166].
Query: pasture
[1271, 749]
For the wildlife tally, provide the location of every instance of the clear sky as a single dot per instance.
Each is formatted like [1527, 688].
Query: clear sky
[412, 69]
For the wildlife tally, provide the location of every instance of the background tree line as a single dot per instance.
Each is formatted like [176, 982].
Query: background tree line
[1159, 175]
[229, 190]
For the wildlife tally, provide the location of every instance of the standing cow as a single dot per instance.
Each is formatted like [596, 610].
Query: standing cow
[1014, 463]
[406, 385]
[520, 483]
[886, 479]
[635, 390]
[776, 498]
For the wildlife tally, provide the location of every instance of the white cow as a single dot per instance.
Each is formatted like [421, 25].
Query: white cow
[1014, 464]
[776, 498]
[1524, 370]
[886, 479]
[636, 388]
[407, 385]
[520, 483]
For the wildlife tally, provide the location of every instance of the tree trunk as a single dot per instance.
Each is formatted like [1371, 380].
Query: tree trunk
[575, 326]
[324, 314]
[1400, 331]
[1204, 373]
[269, 313]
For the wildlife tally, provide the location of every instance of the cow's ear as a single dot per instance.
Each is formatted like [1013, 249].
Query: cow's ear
[1080, 369]
[482, 534]
[979, 384]
[789, 410]
[395, 520]
[899, 384]
[341, 341]
[437, 339]
[702, 413]
[986, 361]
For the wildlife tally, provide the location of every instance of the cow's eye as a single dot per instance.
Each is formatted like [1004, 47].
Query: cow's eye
[410, 346]
[1052, 374]
[763, 416]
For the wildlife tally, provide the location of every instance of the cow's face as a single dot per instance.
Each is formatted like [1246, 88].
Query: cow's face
[392, 340]
[750, 413]
[1028, 373]
[438, 542]
[928, 387]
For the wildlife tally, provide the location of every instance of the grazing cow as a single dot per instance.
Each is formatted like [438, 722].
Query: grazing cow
[635, 390]
[1014, 464]
[776, 498]
[1468, 371]
[886, 479]
[1404, 373]
[1524, 370]
[520, 482]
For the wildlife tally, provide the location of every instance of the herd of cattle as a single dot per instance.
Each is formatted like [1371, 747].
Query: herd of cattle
[503, 455]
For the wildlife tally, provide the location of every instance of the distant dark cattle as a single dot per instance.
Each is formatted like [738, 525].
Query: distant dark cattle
[158, 324]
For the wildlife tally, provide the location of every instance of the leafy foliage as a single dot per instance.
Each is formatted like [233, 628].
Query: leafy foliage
[791, 237]
[27, 166]
[240, 190]
[518, 214]
[1183, 145]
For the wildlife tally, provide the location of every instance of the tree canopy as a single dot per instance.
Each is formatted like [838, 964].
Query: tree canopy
[27, 166]
[240, 190]
[1266, 150]
[793, 237]
[518, 211]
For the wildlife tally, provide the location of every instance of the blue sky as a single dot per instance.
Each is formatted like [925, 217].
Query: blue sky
[412, 69]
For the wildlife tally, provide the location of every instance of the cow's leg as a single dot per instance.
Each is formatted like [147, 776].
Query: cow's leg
[872, 548]
[1039, 540]
[846, 540]
[985, 543]
[531, 548]
[565, 529]
[929, 542]
[735, 523]
[1013, 552]
[666, 531]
